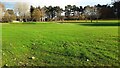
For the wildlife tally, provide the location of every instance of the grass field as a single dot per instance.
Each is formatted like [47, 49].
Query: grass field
[56, 44]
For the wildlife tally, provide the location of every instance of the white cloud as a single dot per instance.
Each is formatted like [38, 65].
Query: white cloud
[61, 3]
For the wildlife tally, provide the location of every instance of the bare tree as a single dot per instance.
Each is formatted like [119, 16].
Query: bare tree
[91, 12]
[22, 10]
[97, 13]
[43, 13]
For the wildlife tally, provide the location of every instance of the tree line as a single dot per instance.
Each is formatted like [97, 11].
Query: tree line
[24, 13]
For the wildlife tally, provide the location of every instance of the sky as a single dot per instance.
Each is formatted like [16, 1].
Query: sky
[61, 3]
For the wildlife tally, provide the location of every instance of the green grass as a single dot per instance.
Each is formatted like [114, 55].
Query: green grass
[55, 44]
[89, 21]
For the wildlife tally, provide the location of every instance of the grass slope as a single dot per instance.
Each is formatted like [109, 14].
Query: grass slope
[59, 45]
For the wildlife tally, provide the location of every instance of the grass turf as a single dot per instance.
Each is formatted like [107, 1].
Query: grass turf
[55, 44]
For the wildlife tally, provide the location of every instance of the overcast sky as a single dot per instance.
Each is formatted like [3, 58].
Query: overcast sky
[61, 3]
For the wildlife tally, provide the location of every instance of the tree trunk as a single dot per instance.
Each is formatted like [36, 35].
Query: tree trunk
[85, 19]
[97, 19]
[91, 19]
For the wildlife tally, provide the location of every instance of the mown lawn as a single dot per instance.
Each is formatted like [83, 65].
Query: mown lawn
[56, 44]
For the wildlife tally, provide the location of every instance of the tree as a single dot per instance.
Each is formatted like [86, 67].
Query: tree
[51, 12]
[72, 12]
[2, 9]
[68, 10]
[81, 9]
[31, 10]
[91, 12]
[6, 17]
[116, 6]
[46, 13]
[107, 13]
[36, 15]
[22, 10]
[12, 15]
[43, 11]
[9, 16]
[58, 12]
[75, 10]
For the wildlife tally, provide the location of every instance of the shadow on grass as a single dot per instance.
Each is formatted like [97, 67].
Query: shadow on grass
[70, 22]
[100, 24]
[29, 23]
[24, 23]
